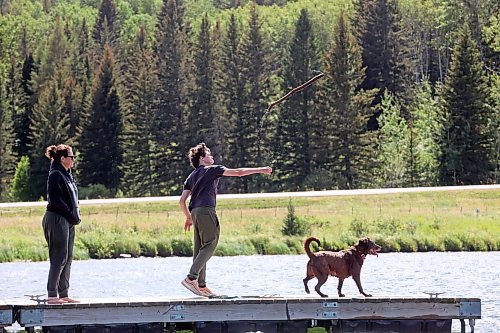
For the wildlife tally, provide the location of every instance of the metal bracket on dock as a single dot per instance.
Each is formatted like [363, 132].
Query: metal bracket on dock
[178, 308]
[330, 304]
[177, 316]
[470, 309]
[5, 317]
[329, 314]
[32, 316]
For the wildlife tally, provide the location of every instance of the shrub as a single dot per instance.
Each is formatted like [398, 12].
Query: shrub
[426, 244]
[407, 244]
[164, 247]
[491, 245]
[472, 243]
[293, 225]
[389, 244]
[34, 252]
[436, 224]
[95, 191]
[6, 254]
[348, 239]
[20, 189]
[126, 245]
[411, 227]
[277, 247]
[332, 245]
[358, 228]
[148, 248]
[99, 245]
[80, 252]
[234, 248]
[182, 247]
[295, 245]
[261, 244]
[452, 243]
[390, 226]
[320, 179]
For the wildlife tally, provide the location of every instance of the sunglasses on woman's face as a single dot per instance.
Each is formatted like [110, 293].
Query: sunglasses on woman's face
[71, 156]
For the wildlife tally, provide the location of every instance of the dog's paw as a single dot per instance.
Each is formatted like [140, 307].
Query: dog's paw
[367, 295]
[341, 295]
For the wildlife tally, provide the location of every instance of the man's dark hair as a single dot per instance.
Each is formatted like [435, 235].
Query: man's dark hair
[196, 153]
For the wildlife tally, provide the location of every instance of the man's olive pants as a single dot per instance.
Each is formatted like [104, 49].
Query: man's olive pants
[206, 236]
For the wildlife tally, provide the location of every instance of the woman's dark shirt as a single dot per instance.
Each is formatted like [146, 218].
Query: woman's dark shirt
[62, 194]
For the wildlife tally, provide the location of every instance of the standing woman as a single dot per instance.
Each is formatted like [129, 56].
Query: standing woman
[59, 221]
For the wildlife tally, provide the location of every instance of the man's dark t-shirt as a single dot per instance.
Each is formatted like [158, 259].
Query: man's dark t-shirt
[202, 183]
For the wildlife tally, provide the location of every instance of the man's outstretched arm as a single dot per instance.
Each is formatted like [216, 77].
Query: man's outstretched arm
[241, 172]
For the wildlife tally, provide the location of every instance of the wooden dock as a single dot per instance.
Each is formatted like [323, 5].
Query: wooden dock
[246, 314]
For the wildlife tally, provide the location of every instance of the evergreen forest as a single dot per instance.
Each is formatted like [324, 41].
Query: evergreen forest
[410, 94]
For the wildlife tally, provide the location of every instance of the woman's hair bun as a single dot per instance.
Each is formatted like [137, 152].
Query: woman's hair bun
[50, 152]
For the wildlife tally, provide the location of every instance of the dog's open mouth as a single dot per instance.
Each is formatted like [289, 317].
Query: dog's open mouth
[374, 251]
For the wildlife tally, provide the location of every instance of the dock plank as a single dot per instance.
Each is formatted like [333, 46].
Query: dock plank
[375, 310]
[75, 315]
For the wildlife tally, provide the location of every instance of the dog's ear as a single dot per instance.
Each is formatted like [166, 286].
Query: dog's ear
[363, 244]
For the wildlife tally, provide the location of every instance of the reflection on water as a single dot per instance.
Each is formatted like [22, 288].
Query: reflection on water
[461, 274]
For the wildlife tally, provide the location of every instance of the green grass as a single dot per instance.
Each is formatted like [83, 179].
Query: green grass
[424, 221]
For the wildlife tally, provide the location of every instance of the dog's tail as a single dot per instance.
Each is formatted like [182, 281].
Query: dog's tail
[307, 246]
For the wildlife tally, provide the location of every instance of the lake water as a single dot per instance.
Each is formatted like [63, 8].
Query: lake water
[460, 274]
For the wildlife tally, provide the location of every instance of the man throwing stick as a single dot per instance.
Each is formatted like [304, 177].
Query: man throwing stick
[201, 185]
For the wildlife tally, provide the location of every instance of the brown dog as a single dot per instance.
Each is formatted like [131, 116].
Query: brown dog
[341, 264]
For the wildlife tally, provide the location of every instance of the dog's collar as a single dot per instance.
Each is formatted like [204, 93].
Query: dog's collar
[359, 256]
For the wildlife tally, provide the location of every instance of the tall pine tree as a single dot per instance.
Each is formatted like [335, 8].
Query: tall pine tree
[255, 57]
[426, 129]
[467, 140]
[139, 105]
[394, 145]
[53, 58]
[49, 126]
[222, 122]
[231, 84]
[79, 84]
[7, 157]
[495, 125]
[106, 29]
[100, 146]
[201, 117]
[350, 146]
[170, 54]
[48, 122]
[22, 118]
[386, 55]
[293, 143]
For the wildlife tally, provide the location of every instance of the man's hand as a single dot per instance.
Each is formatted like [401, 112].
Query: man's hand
[267, 170]
[188, 224]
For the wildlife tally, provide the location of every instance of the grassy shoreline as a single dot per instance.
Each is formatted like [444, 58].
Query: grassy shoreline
[467, 220]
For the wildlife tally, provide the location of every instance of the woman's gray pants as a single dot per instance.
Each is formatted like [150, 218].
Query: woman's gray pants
[60, 236]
